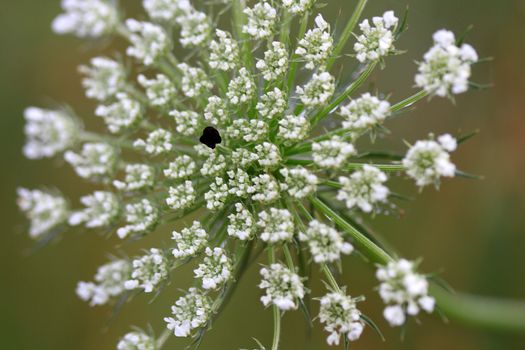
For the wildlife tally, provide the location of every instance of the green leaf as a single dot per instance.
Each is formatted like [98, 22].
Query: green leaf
[372, 325]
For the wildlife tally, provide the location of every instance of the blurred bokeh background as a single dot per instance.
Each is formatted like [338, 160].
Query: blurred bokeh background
[472, 232]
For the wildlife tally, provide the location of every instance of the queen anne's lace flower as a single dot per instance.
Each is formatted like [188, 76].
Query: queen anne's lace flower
[403, 290]
[215, 164]
[282, 286]
[326, 244]
[341, 317]
[86, 18]
[261, 20]
[268, 154]
[181, 168]
[318, 90]
[242, 88]
[149, 41]
[160, 90]
[298, 182]
[332, 153]
[121, 115]
[138, 177]
[216, 111]
[215, 269]
[272, 104]
[224, 52]
[217, 195]
[190, 241]
[276, 224]
[251, 130]
[364, 188]
[293, 128]
[47, 132]
[445, 69]
[158, 142]
[316, 46]
[241, 223]
[428, 160]
[103, 78]
[195, 28]
[264, 189]
[364, 112]
[195, 82]
[189, 312]
[166, 10]
[45, 210]
[148, 271]
[275, 62]
[96, 161]
[109, 283]
[141, 217]
[181, 196]
[297, 6]
[377, 40]
[239, 183]
[101, 209]
[136, 341]
[243, 157]
[187, 122]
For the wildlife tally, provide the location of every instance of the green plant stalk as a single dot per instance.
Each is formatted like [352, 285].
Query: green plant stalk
[347, 32]
[331, 278]
[356, 84]
[481, 312]
[275, 309]
[293, 64]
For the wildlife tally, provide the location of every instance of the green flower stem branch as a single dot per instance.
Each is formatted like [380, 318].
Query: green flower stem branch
[481, 312]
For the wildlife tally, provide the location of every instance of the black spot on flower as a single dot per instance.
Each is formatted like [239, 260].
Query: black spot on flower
[210, 137]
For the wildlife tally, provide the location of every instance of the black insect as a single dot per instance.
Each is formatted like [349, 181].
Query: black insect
[210, 137]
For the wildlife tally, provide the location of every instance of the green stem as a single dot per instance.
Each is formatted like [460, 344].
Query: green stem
[481, 312]
[330, 277]
[409, 101]
[276, 312]
[345, 35]
[288, 257]
[294, 62]
[356, 84]
[162, 339]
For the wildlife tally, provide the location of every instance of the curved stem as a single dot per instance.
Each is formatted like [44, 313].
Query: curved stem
[276, 312]
[330, 277]
[162, 339]
[345, 35]
[481, 312]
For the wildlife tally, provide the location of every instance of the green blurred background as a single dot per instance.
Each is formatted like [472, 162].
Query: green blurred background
[473, 232]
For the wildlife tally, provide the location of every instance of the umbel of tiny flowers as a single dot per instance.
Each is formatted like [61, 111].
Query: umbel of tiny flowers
[282, 179]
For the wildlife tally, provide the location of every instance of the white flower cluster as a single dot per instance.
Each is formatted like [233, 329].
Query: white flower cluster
[241, 223]
[275, 62]
[264, 189]
[109, 283]
[250, 130]
[341, 317]
[141, 217]
[138, 177]
[297, 6]
[364, 112]
[224, 52]
[160, 90]
[364, 188]
[121, 115]
[166, 10]
[158, 142]
[428, 160]
[47, 132]
[103, 78]
[282, 287]
[45, 210]
[268, 154]
[332, 153]
[242, 88]
[181, 196]
[148, 271]
[318, 90]
[276, 225]
[195, 81]
[190, 312]
[86, 18]
[136, 341]
[182, 167]
[293, 128]
[403, 290]
[272, 104]
[190, 241]
[102, 209]
[316, 46]
[216, 111]
[96, 161]
[195, 28]
[215, 270]
[149, 41]
[376, 41]
[298, 182]
[325, 243]
[261, 20]
[445, 69]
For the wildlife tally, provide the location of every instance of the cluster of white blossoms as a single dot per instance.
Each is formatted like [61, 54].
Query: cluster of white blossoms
[445, 69]
[341, 317]
[246, 136]
[109, 283]
[403, 290]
